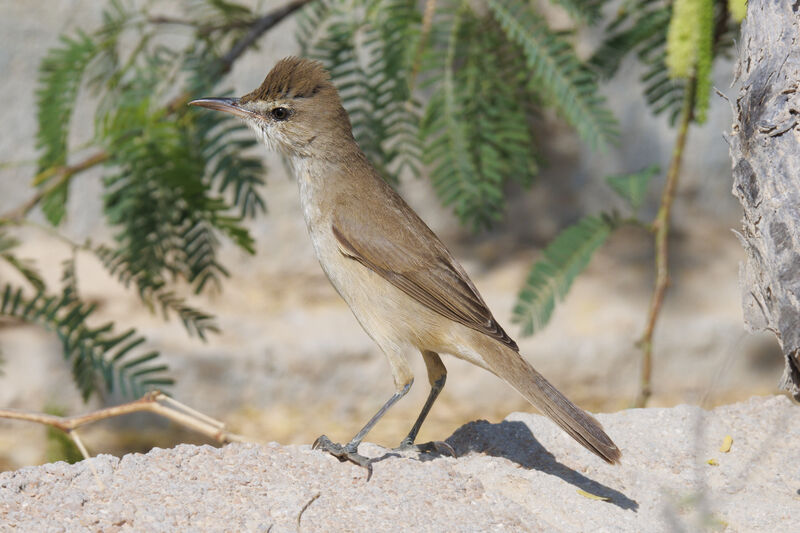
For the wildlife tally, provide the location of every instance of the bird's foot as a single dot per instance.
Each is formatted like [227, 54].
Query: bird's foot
[343, 453]
[436, 446]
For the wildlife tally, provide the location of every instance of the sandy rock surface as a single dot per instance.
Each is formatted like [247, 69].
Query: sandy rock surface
[522, 474]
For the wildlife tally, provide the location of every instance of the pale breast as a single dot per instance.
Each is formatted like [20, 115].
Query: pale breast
[394, 320]
[377, 305]
[318, 223]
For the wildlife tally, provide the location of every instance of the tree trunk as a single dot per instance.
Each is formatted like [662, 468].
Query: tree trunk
[765, 151]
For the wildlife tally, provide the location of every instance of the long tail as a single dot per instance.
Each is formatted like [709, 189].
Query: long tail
[582, 426]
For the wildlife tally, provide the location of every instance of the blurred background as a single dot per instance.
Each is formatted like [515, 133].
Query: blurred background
[289, 361]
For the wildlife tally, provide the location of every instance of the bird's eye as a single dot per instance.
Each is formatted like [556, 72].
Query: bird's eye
[279, 113]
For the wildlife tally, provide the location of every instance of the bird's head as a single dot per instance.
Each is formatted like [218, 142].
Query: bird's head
[296, 110]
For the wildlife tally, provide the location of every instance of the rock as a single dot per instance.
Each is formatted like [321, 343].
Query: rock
[522, 474]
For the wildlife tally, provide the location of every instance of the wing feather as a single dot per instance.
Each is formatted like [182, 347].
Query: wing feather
[415, 261]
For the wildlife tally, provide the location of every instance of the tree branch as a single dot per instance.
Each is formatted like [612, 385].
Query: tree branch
[661, 229]
[155, 402]
[259, 27]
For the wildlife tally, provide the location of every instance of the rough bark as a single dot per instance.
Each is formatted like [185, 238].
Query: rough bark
[765, 152]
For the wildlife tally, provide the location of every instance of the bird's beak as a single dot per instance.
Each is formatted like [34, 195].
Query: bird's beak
[228, 105]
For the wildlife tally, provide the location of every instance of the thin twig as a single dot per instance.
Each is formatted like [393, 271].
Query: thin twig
[202, 30]
[661, 223]
[197, 414]
[50, 230]
[153, 402]
[661, 229]
[164, 19]
[79, 443]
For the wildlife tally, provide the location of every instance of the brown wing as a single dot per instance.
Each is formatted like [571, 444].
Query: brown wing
[411, 257]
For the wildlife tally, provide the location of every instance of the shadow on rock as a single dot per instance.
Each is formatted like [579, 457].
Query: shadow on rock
[515, 442]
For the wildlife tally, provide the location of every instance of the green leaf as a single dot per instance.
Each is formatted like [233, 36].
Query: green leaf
[455, 175]
[194, 320]
[87, 349]
[557, 73]
[60, 75]
[476, 129]
[25, 267]
[619, 43]
[312, 22]
[54, 203]
[223, 143]
[369, 53]
[7, 243]
[551, 277]
[69, 279]
[641, 26]
[633, 187]
[589, 11]
[161, 202]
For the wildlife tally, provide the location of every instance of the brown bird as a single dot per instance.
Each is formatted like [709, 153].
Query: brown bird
[402, 284]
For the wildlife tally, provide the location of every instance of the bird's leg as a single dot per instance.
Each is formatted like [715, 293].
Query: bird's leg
[349, 452]
[437, 375]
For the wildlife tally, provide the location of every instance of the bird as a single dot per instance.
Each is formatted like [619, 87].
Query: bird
[402, 284]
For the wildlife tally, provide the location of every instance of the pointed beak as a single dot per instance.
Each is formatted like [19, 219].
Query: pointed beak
[228, 105]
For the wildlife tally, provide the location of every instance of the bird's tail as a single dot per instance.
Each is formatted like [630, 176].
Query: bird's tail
[536, 389]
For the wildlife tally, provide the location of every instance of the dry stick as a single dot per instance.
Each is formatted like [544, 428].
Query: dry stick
[79, 443]
[661, 224]
[152, 401]
[661, 229]
[193, 412]
[65, 173]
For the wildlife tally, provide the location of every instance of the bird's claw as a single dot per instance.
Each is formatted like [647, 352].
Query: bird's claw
[343, 453]
[437, 446]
